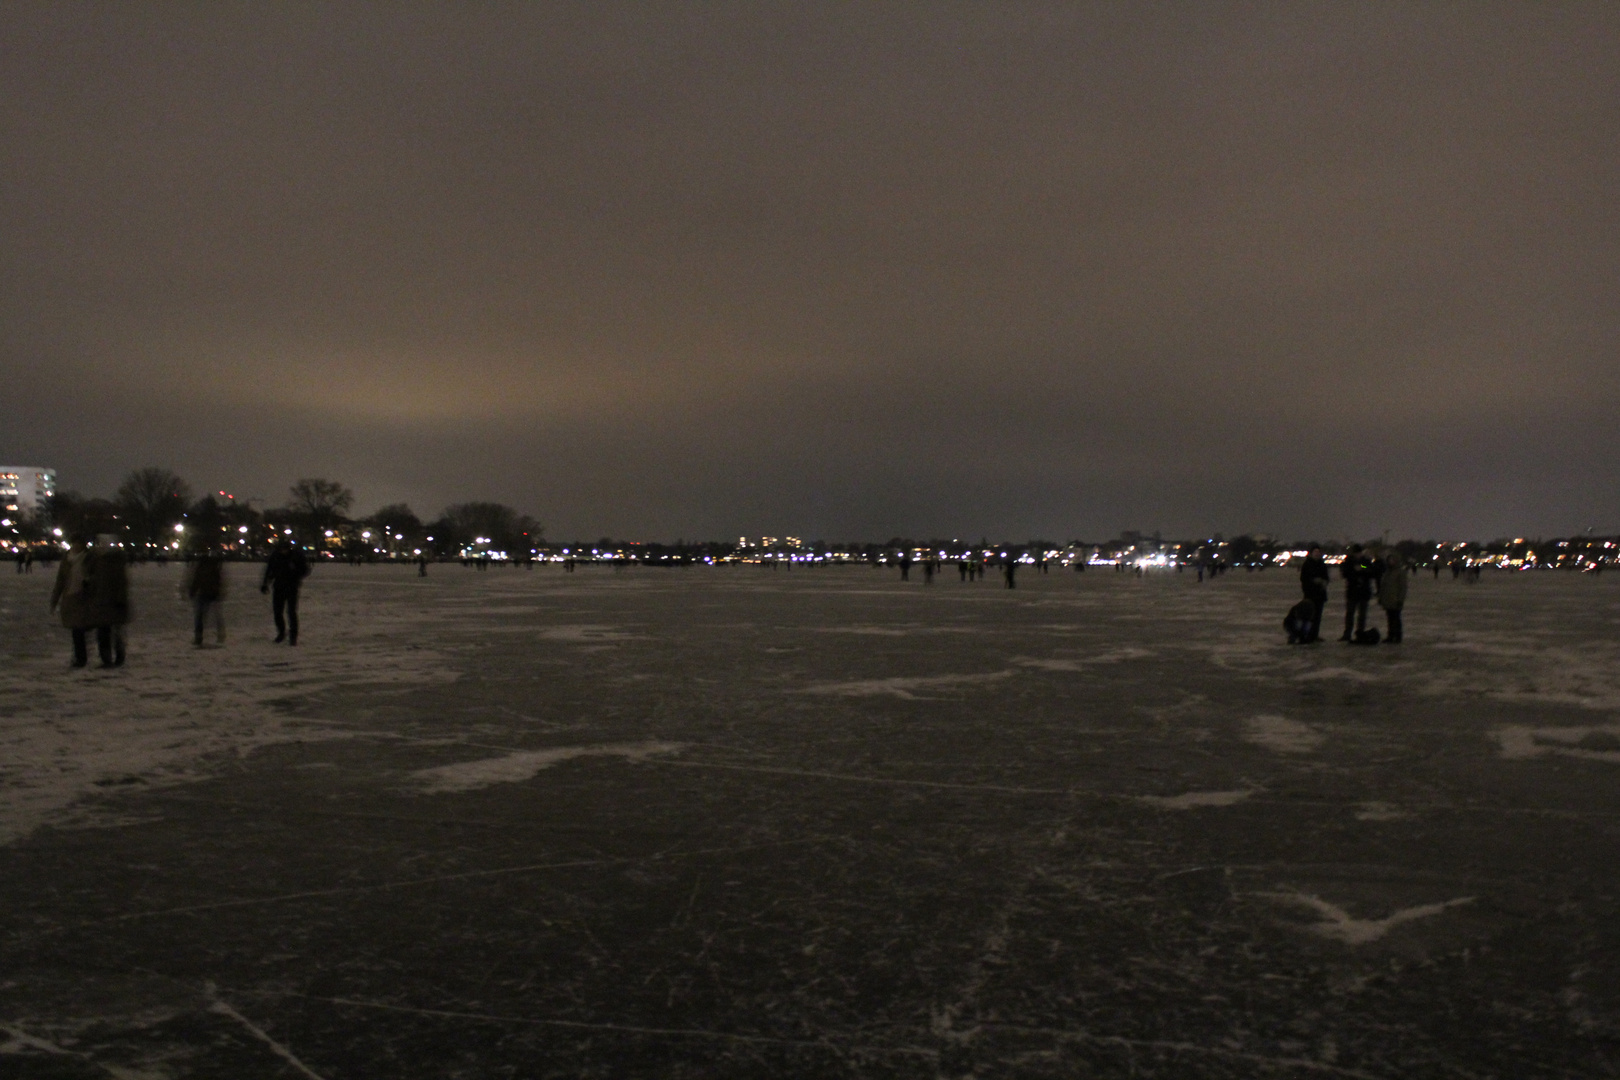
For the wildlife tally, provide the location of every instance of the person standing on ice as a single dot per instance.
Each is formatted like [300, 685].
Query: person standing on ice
[1392, 593]
[1358, 589]
[1010, 568]
[1313, 582]
[69, 599]
[284, 572]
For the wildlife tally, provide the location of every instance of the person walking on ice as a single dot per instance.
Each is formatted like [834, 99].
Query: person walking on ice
[1357, 572]
[206, 590]
[70, 600]
[284, 572]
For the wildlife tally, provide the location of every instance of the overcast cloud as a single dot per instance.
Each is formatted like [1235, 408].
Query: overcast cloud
[704, 270]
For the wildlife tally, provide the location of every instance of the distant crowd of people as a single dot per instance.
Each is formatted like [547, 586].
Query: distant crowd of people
[971, 569]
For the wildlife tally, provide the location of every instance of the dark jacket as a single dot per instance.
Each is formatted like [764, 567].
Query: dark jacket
[1359, 578]
[207, 582]
[1314, 578]
[285, 569]
[107, 594]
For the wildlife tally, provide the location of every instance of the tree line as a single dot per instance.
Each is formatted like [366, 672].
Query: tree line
[155, 512]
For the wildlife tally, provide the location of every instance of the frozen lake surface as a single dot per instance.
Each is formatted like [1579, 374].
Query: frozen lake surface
[734, 822]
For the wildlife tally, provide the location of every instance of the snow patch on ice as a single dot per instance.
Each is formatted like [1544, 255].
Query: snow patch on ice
[1281, 734]
[174, 714]
[1380, 811]
[585, 633]
[1349, 674]
[1600, 743]
[1050, 665]
[525, 765]
[1113, 656]
[1194, 800]
[895, 631]
[1530, 672]
[902, 686]
[1337, 923]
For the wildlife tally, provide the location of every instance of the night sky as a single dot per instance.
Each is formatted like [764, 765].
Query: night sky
[841, 271]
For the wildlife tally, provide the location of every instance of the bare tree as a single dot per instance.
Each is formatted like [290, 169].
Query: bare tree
[501, 527]
[152, 501]
[319, 504]
[397, 517]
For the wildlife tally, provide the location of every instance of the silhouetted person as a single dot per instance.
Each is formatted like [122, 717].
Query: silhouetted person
[206, 589]
[70, 597]
[284, 572]
[108, 573]
[928, 571]
[22, 560]
[1314, 580]
[421, 566]
[1358, 588]
[905, 567]
[1392, 594]
[1010, 568]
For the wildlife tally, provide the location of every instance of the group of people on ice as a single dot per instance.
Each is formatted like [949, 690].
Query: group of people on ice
[91, 592]
[1367, 575]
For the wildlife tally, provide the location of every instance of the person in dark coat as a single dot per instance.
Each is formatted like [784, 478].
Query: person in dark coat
[107, 598]
[1359, 580]
[284, 572]
[206, 589]
[1313, 582]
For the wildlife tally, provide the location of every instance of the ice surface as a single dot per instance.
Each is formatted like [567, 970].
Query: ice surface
[1281, 734]
[731, 822]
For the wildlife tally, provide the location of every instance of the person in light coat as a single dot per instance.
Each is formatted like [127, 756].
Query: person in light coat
[1392, 593]
[70, 599]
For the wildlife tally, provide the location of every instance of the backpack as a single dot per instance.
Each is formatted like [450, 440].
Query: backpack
[1300, 622]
